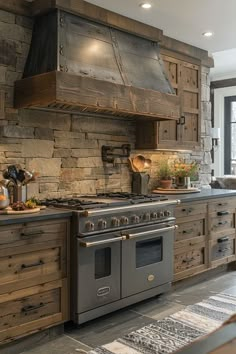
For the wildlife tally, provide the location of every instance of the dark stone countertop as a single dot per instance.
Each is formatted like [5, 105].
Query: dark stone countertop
[204, 194]
[47, 214]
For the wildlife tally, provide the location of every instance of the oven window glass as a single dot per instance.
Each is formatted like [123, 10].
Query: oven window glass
[102, 263]
[149, 252]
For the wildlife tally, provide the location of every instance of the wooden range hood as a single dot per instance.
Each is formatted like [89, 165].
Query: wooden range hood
[110, 65]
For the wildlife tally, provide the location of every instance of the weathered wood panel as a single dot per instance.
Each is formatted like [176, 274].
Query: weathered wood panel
[99, 14]
[87, 93]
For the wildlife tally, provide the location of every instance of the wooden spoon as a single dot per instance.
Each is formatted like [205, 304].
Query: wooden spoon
[131, 165]
[147, 163]
[138, 162]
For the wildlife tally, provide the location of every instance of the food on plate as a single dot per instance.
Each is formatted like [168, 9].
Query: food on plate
[18, 206]
[30, 204]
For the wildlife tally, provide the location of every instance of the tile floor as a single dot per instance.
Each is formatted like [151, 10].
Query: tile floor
[103, 330]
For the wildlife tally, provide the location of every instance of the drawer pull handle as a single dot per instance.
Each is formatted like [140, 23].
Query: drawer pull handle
[223, 239]
[220, 213]
[32, 307]
[26, 235]
[24, 266]
[224, 249]
[189, 210]
[222, 204]
[188, 260]
[187, 231]
[222, 223]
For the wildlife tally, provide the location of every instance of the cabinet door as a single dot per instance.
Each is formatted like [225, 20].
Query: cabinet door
[169, 131]
[190, 104]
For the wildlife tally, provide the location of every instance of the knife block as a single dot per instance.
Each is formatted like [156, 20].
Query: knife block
[140, 182]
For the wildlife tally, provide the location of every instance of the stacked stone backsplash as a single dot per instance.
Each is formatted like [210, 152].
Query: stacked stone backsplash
[66, 149]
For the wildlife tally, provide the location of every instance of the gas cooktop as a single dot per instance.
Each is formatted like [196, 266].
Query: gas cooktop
[102, 200]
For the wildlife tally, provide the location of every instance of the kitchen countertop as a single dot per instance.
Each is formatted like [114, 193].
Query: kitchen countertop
[42, 215]
[204, 194]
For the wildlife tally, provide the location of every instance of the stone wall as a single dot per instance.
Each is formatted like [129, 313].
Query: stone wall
[66, 149]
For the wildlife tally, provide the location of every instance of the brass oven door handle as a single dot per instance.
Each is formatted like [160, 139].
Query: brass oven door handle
[103, 242]
[145, 233]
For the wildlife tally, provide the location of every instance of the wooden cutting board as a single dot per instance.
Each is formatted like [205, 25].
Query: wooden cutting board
[176, 191]
[9, 211]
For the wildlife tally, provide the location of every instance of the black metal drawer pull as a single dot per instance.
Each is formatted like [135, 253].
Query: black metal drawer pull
[223, 239]
[189, 210]
[222, 204]
[188, 260]
[220, 213]
[222, 222]
[224, 250]
[24, 266]
[190, 231]
[32, 233]
[32, 307]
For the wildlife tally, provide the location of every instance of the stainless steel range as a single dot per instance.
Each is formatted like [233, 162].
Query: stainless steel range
[122, 250]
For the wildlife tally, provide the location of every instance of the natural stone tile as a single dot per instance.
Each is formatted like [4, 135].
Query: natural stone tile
[73, 174]
[83, 187]
[62, 153]
[3, 70]
[46, 167]
[100, 136]
[89, 162]
[14, 131]
[48, 187]
[42, 119]
[7, 17]
[24, 21]
[70, 162]
[68, 134]
[75, 143]
[15, 32]
[12, 76]
[85, 152]
[32, 189]
[37, 148]
[44, 133]
[10, 147]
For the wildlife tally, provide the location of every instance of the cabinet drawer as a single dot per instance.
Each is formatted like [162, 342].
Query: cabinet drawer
[35, 264]
[222, 204]
[190, 209]
[223, 247]
[32, 233]
[189, 262]
[190, 229]
[218, 224]
[31, 309]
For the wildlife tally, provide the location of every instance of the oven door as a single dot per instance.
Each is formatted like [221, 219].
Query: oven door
[98, 270]
[147, 258]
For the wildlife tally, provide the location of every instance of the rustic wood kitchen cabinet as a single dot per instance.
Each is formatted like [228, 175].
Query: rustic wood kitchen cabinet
[185, 78]
[205, 237]
[34, 277]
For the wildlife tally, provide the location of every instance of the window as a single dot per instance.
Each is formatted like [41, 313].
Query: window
[230, 136]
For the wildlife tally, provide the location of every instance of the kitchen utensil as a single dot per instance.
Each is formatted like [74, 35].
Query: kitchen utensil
[138, 162]
[28, 177]
[147, 163]
[13, 172]
[21, 175]
[4, 197]
[6, 174]
[132, 165]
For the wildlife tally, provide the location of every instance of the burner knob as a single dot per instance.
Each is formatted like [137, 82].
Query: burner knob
[167, 213]
[146, 217]
[124, 220]
[89, 226]
[115, 222]
[161, 214]
[135, 219]
[102, 224]
[154, 215]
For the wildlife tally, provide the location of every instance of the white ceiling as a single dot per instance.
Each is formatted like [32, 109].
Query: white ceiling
[186, 20]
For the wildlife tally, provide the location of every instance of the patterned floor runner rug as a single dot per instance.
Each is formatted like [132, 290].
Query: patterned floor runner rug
[175, 331]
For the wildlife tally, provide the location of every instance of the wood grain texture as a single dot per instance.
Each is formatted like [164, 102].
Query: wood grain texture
[85, 93]
[223, 83]
[99, 14]
[19, 7]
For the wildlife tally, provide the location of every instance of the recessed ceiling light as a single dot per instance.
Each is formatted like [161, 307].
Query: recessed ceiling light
[145, 5]
[207, 34]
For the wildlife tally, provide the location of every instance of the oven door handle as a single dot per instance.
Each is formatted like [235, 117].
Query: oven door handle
[103, 242]
[145, 233]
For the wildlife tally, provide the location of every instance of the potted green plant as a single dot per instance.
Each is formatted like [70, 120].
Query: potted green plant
[165, 173]
[184, 172]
